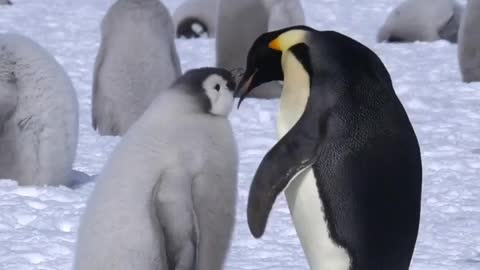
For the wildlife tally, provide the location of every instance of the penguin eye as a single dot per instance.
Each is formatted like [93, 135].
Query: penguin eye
[217, 87]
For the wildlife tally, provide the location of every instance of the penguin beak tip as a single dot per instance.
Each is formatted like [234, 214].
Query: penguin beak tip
[240, 103]
[245, 85]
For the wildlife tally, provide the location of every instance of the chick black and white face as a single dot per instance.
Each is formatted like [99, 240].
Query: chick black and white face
[191, 28]
[219, 91]
[212, 89]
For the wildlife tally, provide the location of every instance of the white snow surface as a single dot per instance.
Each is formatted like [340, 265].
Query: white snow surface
[38, 224]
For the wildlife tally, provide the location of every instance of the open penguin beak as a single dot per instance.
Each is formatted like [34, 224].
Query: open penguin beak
[263, 65]
[245, 85]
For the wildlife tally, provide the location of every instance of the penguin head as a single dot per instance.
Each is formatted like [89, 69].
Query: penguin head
[191, 28]
[212, 87]
[265, 57]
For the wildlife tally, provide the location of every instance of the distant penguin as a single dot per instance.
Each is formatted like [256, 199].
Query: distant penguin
[5, 2]
[284, 13]
[469, 43]
[166, 198]
[422, 20]
[233, 39]
[196, 18]
[38, 115]
[137, 58]
[347, 158]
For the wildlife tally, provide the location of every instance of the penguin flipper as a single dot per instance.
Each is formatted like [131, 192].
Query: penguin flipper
[173, 208]
[99, 106]
[8, 101]
[95, 91]
[295, 152]
[449, 31]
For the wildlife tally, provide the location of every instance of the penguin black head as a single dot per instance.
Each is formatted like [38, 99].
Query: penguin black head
[265, 56]
[191, 28]
[213, 87]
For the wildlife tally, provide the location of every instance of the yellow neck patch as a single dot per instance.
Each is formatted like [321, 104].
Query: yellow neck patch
[288, 39]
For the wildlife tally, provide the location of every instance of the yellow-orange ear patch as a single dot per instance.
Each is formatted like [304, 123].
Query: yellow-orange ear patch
[288, 39]
[275, 44]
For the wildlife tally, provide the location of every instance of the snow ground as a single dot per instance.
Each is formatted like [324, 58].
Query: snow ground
[38, 225]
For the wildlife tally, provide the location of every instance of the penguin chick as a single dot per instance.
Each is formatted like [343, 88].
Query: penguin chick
[137, 58]
[38, 115]
[166, 198]
[422, 20]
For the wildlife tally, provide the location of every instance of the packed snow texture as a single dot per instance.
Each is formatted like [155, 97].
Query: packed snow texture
[38, 224]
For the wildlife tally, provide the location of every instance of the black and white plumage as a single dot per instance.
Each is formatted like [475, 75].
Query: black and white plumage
[422, 20]
[38, 115]
[196, 18]
[347, 158]
[239, 23]
[166, 198]
[469, 43]
[137, 58]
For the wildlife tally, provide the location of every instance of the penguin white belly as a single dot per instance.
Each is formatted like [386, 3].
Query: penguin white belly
[309, 219]
[302, 193]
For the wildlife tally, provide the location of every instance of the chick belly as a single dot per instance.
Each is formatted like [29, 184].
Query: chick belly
[308, 217]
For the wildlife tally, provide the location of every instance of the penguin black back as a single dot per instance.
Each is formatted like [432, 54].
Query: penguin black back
[375, 182]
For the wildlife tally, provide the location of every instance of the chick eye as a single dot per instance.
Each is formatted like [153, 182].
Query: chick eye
[217, 87]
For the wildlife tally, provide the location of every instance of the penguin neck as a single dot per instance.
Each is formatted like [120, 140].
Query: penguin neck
[178, 101]
[295, 94]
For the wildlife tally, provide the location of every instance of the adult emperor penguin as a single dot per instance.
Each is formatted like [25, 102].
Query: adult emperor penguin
[137, 58]
[38, 115]
[422, 20]
[348, 158]
[233, 39]
[469, 42]
[166, 198]
[196, 18]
